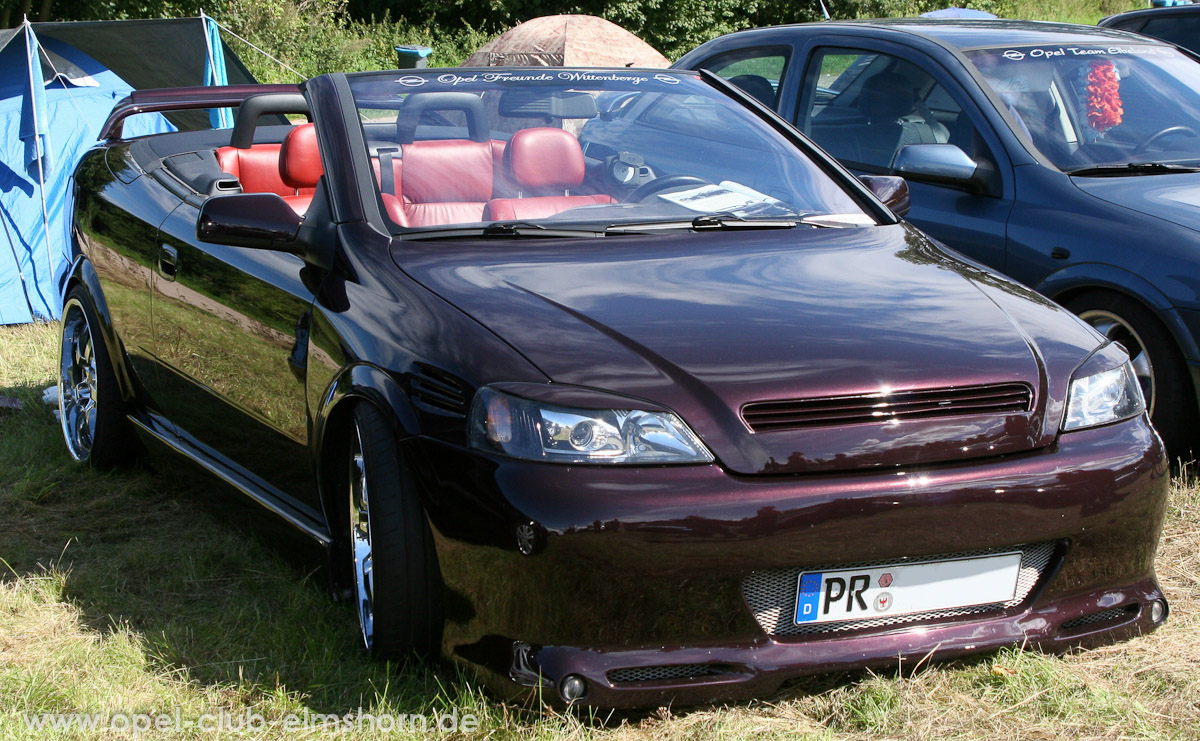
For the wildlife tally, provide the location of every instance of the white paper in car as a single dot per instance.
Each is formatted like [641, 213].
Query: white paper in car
[724, 196]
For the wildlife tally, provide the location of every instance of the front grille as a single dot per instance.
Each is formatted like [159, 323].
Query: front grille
[438, 390]
[771, 595]
[670, 671]
[792, 414]
[1111, 615]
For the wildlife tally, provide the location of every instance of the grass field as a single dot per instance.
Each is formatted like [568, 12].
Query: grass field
[130, 592]
[1070, 11]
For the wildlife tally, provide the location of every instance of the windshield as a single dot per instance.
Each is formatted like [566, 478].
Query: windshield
[1085, 106]
[557, 149]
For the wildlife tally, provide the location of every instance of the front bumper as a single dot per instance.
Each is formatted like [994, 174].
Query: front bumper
[634, 579]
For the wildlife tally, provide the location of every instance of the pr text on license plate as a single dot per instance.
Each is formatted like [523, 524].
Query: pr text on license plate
[902, 589]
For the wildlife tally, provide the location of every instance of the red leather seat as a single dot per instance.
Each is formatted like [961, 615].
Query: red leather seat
[543, 161]
[299, 166]
[257, 168]
[441, 182]
[397, 160]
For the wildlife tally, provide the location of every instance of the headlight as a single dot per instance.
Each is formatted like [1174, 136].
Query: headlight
[535, 430]
[1100, 398]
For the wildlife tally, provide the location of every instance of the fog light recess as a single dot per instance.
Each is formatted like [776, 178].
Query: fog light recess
[1158, 610]
[573, 687]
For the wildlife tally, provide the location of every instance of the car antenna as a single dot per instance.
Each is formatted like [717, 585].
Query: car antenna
[824, 10]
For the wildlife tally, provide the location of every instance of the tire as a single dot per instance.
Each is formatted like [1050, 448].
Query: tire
[1160, 367]
[395, 584]
[90, 407]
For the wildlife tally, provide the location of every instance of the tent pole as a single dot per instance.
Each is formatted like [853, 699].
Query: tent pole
[214, 73]
[37, 139]
[212, 59]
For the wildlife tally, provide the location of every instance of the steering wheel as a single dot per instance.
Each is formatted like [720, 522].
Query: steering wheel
[644, 191]
[1163, 134]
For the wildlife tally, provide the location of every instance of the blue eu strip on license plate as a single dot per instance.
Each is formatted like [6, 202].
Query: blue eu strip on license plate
[810, 598]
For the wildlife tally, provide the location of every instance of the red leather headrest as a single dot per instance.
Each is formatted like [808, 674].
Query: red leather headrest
[299, 158]
[545, 158]
[447, 171]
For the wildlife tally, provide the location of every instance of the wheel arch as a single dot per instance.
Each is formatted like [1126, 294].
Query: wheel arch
[1072, 281]
[333, 417]
[82, 273]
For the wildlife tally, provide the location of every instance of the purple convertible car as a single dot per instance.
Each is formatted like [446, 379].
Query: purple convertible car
[674, 414]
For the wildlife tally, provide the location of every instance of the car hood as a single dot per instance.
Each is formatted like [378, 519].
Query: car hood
[706, 324]
[1174, 198]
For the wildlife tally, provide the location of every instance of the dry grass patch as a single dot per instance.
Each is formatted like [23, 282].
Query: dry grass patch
[50, 661]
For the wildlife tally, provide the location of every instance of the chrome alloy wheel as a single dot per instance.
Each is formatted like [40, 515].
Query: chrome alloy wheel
[1117, 329]
[360, 539]
[77, 384]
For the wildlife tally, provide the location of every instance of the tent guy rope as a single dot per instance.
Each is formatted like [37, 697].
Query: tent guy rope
[258, 49]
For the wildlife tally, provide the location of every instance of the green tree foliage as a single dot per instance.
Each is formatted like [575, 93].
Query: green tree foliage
[75, 10]
[315, 36]
[671, 26]
[309, 36]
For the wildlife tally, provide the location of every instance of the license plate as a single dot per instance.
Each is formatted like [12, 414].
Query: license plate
[902, 589]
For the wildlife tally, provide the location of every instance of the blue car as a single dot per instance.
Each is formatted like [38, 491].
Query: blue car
[1067, 157]
[1176, 24]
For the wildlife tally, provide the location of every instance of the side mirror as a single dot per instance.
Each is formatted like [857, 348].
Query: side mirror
[938, 163]
[256, 220]
[892, 190]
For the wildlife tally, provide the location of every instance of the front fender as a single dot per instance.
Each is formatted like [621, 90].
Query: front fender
[360, 382]
[1062, 284]
[369, 382]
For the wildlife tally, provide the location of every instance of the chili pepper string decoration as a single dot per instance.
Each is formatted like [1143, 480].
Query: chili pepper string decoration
[1104, 109]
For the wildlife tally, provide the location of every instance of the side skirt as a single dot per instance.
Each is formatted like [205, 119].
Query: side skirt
[275, 502]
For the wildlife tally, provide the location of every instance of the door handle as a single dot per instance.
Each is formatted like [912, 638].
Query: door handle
[168, 262]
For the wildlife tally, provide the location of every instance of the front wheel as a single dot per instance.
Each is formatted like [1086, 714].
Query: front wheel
[396, 583]
[90, 406]
[1157, 362]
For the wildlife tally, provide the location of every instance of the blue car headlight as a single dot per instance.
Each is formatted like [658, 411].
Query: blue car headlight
[1100, 398]
[542, 431]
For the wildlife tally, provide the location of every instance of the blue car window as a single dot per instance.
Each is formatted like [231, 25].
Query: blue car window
[1084, 107]
[757, 71]
[1182, 29]
[865, 106]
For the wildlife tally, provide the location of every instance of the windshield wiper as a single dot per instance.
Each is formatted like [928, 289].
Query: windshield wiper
[1132, 168]
[704, 222]
[503, 229]
[733, 221]
[531, 229]
[510, 228]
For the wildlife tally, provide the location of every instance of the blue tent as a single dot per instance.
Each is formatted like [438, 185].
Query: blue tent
[54, 97]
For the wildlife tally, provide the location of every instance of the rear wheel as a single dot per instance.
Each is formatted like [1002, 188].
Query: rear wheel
[90, 406]
[396, 584]
[1160, 367]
